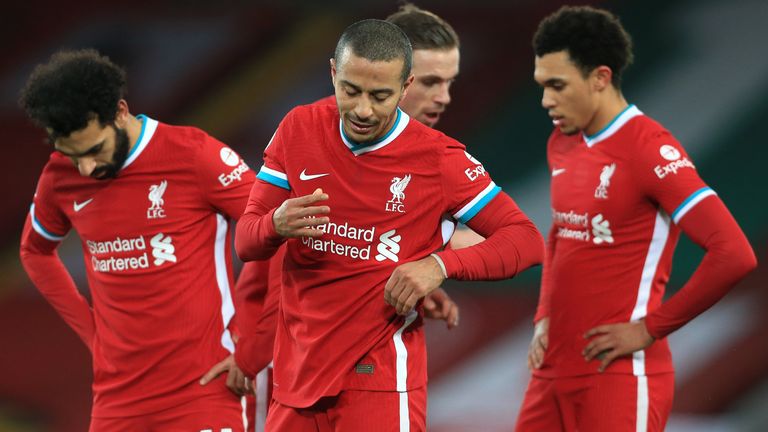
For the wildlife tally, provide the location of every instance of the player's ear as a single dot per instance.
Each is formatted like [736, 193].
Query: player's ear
[407, 84]
[333, 70]
[121, 117]
[602, 77]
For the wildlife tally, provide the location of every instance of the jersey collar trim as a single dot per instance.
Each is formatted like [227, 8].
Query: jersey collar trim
[357, 149]
[148, 128]
[620, 120]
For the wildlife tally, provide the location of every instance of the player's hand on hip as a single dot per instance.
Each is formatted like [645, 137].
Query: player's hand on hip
[237, 382]
[412, 281]
[438, 305]
[610, 341]
[299, 217]
[539, 343]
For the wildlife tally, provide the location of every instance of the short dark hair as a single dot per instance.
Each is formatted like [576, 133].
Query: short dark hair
[592, 37]
[376, 40]
[424, 29]
[70, 90]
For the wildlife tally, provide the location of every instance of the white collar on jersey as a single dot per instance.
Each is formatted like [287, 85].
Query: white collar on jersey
[148, 128]
[357, 149]
[620, 120]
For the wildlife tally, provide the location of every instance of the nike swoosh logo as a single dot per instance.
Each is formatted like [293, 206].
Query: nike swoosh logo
[557, 171]
[79, 206]
[305, 176]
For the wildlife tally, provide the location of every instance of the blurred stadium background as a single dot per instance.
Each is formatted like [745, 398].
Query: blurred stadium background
[235, 68]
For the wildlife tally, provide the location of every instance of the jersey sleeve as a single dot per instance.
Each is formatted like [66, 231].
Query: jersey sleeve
[512, 241]
[44, 229]
[46, 216]
[467, 187]
[224, 177]
[255, 237]
[667, 175]
[273, 171]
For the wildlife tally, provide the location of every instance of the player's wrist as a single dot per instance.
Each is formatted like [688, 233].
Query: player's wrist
[441, 264]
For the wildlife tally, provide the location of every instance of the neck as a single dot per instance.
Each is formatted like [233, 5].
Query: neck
[612, 105]
[133, 129]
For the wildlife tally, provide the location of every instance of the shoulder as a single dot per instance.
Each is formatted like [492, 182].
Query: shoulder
[649, 134]
[59, 166]
[182, 137]
[431, 140]
[317, 111]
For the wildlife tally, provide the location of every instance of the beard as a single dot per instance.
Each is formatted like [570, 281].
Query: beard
[110, 170]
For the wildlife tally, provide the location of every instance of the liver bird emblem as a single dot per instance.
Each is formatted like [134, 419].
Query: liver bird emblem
[398, 188]
[156, 195]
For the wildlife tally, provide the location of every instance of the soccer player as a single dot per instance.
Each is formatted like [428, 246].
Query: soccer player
[623, 188]
[435, 67]
[357, 192]
[152, 204]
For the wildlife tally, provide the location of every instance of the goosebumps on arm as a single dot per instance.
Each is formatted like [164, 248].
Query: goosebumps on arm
[49, 275]
[512, 244]
[728, 258]
[255, 236]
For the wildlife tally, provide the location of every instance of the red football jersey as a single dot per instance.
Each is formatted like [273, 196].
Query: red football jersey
[616, 199]
[388, 201]
[156, 241]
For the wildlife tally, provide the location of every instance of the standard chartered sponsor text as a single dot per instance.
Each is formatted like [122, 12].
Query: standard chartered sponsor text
[135, 247]
[570, 218]
[344, 230]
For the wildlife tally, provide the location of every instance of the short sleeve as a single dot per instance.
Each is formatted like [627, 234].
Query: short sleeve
[667, 175]
[46, 215]
[224, 177]
[468, 188]
[273, 171]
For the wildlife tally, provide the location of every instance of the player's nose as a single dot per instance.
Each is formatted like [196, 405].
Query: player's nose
[363, 109]
[86, 166]
[443, 95]
[547, 101]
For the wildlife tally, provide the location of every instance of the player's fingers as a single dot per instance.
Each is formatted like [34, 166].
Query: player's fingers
[307, 222]
[305, 200]
[597, 330]
[405, 293]
[305, 232]
[597, 346]
[537, 355]
[391, 288]
[447, 305]
[408, 305]
[607, 359]
[232, 382]
[249, 386]
[240, 382]
[311, 211]
[593, 347]
[544, 341]
[215, 371]
[452, 316]
[431, 306]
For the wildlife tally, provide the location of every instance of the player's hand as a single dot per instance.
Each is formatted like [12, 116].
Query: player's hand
[611, 341]
[438, 305]
[299, 217]
[539, 344]
[412, 281]
[237, 382]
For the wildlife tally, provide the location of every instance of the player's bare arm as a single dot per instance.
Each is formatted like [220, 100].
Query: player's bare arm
[539, 343]
[299, 217]
[412, 281]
